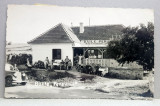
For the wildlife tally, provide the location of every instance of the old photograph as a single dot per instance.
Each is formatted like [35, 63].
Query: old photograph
[79, 53]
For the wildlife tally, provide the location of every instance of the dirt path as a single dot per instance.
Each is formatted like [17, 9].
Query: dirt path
[131, 89]
[86, 86]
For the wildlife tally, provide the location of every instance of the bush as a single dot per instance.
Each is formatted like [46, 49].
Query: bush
[43, 75]
[125, 73]
[22, 67]
[39, 64]
[58, 75]
[20, 59]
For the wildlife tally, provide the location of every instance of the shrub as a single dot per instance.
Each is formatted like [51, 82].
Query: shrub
[39, 64]
[20, 59]
[22, 67]
[125, 73]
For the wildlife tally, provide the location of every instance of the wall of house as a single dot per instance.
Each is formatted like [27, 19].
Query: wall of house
[41, 51]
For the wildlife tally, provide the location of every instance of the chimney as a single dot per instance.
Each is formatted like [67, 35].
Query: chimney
[81, 28]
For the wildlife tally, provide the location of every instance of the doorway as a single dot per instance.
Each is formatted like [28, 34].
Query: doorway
[78, 51]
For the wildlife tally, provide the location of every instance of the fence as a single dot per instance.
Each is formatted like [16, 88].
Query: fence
[110, 63]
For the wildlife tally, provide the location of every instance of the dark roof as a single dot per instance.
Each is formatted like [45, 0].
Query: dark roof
[99, 32]
[58, 34]
[64, 34]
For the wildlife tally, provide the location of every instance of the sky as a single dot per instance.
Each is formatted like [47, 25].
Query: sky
[25, 22]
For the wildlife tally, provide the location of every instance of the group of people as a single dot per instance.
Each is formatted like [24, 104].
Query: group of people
[67, 64]
[64, 64]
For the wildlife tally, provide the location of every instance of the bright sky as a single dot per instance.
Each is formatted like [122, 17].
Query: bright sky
[26, 22]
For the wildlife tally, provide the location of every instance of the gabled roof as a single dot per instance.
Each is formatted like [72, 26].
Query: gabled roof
[99, 32]
[58, 34]
[64, 34]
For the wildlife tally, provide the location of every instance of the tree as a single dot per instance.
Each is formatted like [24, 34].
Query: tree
[136, 45]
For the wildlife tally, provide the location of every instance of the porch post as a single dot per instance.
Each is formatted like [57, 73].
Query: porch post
[73, 56]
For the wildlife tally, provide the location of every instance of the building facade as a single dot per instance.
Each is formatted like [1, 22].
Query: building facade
[89, 41]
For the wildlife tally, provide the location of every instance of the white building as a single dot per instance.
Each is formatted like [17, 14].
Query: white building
[90, 41]
[55, 44]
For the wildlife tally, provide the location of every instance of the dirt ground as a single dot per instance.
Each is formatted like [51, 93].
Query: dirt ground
[85, 86]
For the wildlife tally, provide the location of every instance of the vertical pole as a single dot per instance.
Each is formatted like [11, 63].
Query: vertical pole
[83, 55]
[83, 51]
[73, 57]
[89, 21]
[102, 53]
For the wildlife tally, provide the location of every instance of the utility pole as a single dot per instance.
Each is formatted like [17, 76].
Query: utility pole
[71, 24]
[89, 21]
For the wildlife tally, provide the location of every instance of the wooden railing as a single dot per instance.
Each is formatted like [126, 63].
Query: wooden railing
[110, 63]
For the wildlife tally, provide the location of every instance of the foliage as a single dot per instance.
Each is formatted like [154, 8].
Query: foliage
[136, 45]
[39, 64]
[19, 59]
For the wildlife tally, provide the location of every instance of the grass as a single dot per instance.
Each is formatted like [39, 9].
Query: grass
[44, 75]
[121, 73]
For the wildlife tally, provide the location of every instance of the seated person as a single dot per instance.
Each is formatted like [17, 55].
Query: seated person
[62, 65]
[62, 62]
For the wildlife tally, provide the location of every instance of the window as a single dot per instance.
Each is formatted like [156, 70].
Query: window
[92, 53]
[96, 53]
[56, 53]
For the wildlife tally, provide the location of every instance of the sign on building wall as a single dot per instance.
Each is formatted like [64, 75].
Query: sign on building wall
[95, 41]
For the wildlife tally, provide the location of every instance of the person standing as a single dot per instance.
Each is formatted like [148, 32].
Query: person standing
[69, 65]
[52, 62]
[80, 59]
[46, 63]
[66, 62]
[28, 64]
[76, 59]
[23, 76]
[10, 58]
